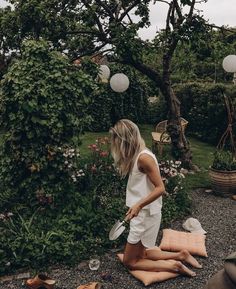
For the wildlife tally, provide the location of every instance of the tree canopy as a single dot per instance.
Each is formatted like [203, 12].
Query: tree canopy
[87, 27]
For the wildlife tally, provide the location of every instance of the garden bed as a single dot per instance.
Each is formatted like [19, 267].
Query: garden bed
[217, 217]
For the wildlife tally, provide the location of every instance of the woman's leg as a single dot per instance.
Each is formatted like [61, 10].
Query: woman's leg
[183, 255]
[134, 259]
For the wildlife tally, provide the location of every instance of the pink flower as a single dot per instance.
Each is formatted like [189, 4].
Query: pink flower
[93, 168]
[104, 154]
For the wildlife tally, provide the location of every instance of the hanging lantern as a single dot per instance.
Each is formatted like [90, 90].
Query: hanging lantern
[119, 82]
[229, 63]
[104, 73]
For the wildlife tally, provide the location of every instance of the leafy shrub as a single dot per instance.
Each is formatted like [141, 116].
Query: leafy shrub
[53, 232]
[156, 110]
[71, 230]
[204, 108]
[44, 104]
[110, 106]
[224, 161]
[176, 200]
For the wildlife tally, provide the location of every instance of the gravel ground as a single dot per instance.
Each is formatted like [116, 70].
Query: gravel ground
[217, 216]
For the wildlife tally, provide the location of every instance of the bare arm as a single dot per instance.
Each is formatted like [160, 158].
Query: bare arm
[147, 165]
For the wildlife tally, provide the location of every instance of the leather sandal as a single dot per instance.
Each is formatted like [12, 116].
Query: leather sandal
[91, 285]
[39, 281]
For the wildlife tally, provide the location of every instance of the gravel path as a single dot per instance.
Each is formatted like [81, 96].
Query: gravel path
[217, 216]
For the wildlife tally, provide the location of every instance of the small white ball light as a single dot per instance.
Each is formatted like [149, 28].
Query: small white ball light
[229, 63]
[104, 73]
[119, 82]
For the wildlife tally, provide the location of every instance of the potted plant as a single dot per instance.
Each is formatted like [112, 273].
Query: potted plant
[222, 173]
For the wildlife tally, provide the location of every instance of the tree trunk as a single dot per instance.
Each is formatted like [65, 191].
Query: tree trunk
[180, 146]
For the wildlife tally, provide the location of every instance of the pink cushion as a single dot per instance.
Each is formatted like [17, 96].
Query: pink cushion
[176, 241]
[148, 277]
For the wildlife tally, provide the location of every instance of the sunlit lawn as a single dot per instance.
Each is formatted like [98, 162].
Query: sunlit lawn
[202, 154]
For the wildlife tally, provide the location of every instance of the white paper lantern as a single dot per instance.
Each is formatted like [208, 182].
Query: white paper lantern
[104, 73]
[229, 63]
[119, 82]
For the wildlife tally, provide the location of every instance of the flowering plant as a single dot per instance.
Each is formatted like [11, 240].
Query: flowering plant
[101, 161]
[176, 202]
[172, 176]
[71, 162]
[102, 176]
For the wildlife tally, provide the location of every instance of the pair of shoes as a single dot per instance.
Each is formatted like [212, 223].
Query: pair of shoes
[39, 281]
[92, 285]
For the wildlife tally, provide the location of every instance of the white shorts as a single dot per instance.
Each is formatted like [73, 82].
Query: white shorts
[144, 228]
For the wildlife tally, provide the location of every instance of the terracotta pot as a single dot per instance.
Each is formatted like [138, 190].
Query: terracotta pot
[223, 182]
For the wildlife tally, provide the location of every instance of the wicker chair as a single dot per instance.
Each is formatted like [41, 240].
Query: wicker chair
[161, 137]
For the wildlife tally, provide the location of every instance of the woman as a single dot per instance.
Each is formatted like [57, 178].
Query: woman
[144, 199]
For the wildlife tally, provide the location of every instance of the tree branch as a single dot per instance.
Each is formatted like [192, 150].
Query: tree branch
[91, 52]
[145, 69]
[190, 14]
[106, 8]
[163, 1]
[82, 32]
[178, 10]
[99, 24]
[128, 10]
[168, 18]
[221, 28]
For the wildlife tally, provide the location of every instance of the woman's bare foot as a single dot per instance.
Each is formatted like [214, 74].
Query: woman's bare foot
[188, 258]
[182, 269]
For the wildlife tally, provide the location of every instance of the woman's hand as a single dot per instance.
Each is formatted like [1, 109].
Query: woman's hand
[133, 211]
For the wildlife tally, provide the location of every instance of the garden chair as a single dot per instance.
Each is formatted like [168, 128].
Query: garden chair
[160, 136]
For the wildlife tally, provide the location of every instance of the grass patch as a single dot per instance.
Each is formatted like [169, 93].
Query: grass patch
[202, 157]
[87, 139]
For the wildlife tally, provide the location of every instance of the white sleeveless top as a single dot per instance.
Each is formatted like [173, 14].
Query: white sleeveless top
[139, 186]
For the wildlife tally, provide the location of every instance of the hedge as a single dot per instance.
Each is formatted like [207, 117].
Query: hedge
[204, 107]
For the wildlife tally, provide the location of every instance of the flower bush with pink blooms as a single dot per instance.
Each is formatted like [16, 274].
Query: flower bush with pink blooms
[172, 176]
[176, 199]
[102, 175]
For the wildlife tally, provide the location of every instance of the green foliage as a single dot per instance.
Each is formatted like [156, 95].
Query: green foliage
[201, 59]
[109, 106]
[156, 110]
[43, 235]
[224, 161]
[22, 241]
[100, 109]
[204, 108]
[44, 104]
[176, 201]
[33, 19]
[132, 103]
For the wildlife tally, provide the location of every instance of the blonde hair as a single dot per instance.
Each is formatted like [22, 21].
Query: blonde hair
[126, 144]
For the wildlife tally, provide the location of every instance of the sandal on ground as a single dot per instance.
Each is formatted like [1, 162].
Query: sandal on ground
[92, 285]
[40, 281]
